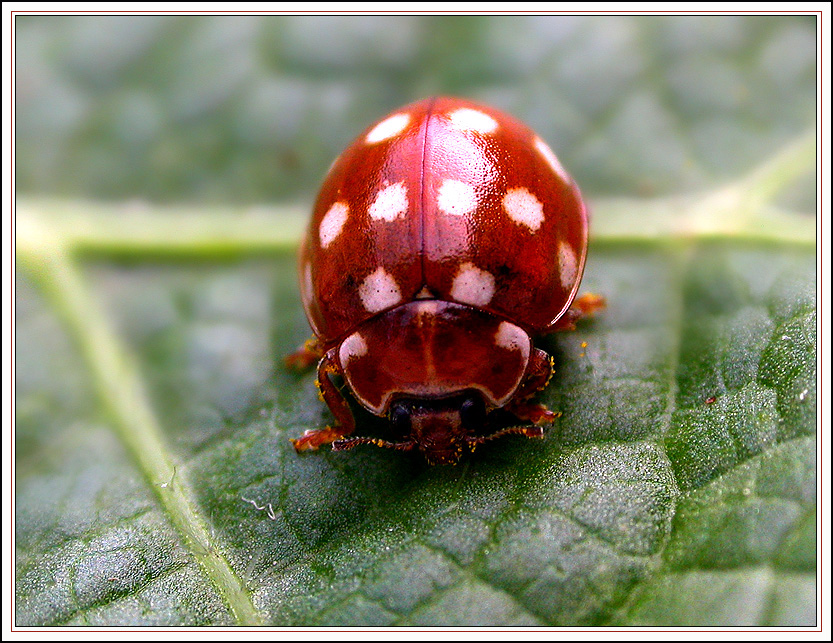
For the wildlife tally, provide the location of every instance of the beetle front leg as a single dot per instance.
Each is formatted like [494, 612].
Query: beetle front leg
[345, 422]
[305, 356]
[585, 305]
[537, 377]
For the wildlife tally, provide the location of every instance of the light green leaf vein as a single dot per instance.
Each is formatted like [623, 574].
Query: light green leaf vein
[119, 386]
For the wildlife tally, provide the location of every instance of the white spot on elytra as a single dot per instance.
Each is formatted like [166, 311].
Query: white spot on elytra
[522, 207]
[567, 265]
[352, 347]
[511, 337]
[550, 157]
[472, 285]
[389, 127]
[390, 203]
[473, 120]
[456, 198]
[332, 223]
[379, 290]
[464, 158]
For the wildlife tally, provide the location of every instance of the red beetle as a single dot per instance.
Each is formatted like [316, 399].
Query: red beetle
[442, 239]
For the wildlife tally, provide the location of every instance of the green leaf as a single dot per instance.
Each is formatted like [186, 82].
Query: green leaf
[155, 483]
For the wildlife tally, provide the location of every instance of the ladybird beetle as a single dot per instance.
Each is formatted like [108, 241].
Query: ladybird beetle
[443, 239]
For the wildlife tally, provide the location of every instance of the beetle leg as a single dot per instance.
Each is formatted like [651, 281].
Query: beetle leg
[537, 377]
[305, 356]
[585, 305]
[345, 422]
[534, 412]
[528, 431]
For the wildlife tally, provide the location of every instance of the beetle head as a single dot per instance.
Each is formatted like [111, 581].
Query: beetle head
[440, 429]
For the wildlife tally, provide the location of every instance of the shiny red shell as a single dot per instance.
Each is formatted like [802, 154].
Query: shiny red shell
[445, 155]
[450, 201]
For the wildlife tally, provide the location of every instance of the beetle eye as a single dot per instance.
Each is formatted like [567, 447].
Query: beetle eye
[473, 413]
[400, 418]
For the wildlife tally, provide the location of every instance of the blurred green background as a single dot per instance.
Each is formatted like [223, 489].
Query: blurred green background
[245, 109]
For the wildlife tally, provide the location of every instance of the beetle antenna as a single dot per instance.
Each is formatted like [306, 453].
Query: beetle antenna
[348, 443]
[528, 431]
